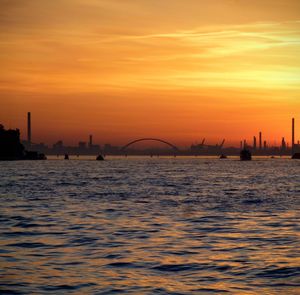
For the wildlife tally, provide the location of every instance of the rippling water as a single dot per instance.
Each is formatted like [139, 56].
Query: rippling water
[150, 226]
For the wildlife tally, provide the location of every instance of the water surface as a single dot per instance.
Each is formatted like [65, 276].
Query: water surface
[150, 226]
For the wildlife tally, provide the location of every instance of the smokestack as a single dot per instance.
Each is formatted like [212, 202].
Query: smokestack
[91, 140]
[260, 141]
[254, 142]
[293, 135]
[29, 128]
[283, 144]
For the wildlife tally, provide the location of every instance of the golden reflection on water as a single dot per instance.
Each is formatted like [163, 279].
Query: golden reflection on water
[203, 248]
[163, 243]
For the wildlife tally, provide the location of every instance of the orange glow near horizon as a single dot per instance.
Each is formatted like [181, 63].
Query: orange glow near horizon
[176, 70]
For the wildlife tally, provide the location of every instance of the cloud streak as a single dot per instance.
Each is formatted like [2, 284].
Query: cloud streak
[143, 53]
[249, 55]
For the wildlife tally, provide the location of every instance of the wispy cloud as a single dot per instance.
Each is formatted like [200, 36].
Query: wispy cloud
[48, 46]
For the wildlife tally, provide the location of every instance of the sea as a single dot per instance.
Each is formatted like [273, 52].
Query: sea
[141, 225]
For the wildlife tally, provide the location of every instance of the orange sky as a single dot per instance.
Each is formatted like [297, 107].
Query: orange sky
[179, 70]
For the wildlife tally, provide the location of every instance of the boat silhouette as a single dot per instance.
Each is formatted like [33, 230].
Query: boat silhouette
[100, 158]
[245, 155]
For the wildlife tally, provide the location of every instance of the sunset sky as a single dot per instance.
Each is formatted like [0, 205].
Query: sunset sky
[179, 70]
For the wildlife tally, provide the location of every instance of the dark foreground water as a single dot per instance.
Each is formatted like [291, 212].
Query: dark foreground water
[150, 226]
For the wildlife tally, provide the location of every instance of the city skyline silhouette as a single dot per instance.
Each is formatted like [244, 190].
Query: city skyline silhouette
[259, 146]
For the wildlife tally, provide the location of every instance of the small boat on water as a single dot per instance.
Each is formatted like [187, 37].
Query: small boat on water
[66, 157]
[296, 156]
[223, 156]
[245, 155]
[100, 158]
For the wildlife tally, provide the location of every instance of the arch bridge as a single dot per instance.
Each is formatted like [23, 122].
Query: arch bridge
[175, 148]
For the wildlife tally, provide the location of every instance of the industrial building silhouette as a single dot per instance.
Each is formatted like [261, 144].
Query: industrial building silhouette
[256, 148]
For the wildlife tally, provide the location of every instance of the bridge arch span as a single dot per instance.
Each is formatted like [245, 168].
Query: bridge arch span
[174, 147]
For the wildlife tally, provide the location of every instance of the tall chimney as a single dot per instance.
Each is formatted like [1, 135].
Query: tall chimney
[283, 144]
[29, 128]
[254, 142]
[91, 140]
[293, 135]
[265, 144]
[260, 141]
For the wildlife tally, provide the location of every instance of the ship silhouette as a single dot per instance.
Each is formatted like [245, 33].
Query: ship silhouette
[100, 158]
[245, 155]
[296, 156]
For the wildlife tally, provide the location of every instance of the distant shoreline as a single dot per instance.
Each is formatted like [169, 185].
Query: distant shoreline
[212, 157]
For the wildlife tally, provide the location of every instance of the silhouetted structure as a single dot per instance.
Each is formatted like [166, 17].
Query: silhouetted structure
[10, 146]
[100, 158]
[66, 157]
[12, 149]
[82, 145]
[207, 149]
[32, 155]
[91, 141]
[260, 140]
[29, 128]
[245, 155]
[295, 147]
[146, 139]
[223, 156]
[293, 136]
[258, 147]
[265, 144]
[296, 156]
[254, 142]
[283, 145]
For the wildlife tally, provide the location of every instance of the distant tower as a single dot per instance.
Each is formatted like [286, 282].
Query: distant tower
[293, 135]
[245, 144]
[254, 142]
[265, 144]
[91, 141]
[283, 144]
[260, 141]
[29, 128]
[241, 145]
